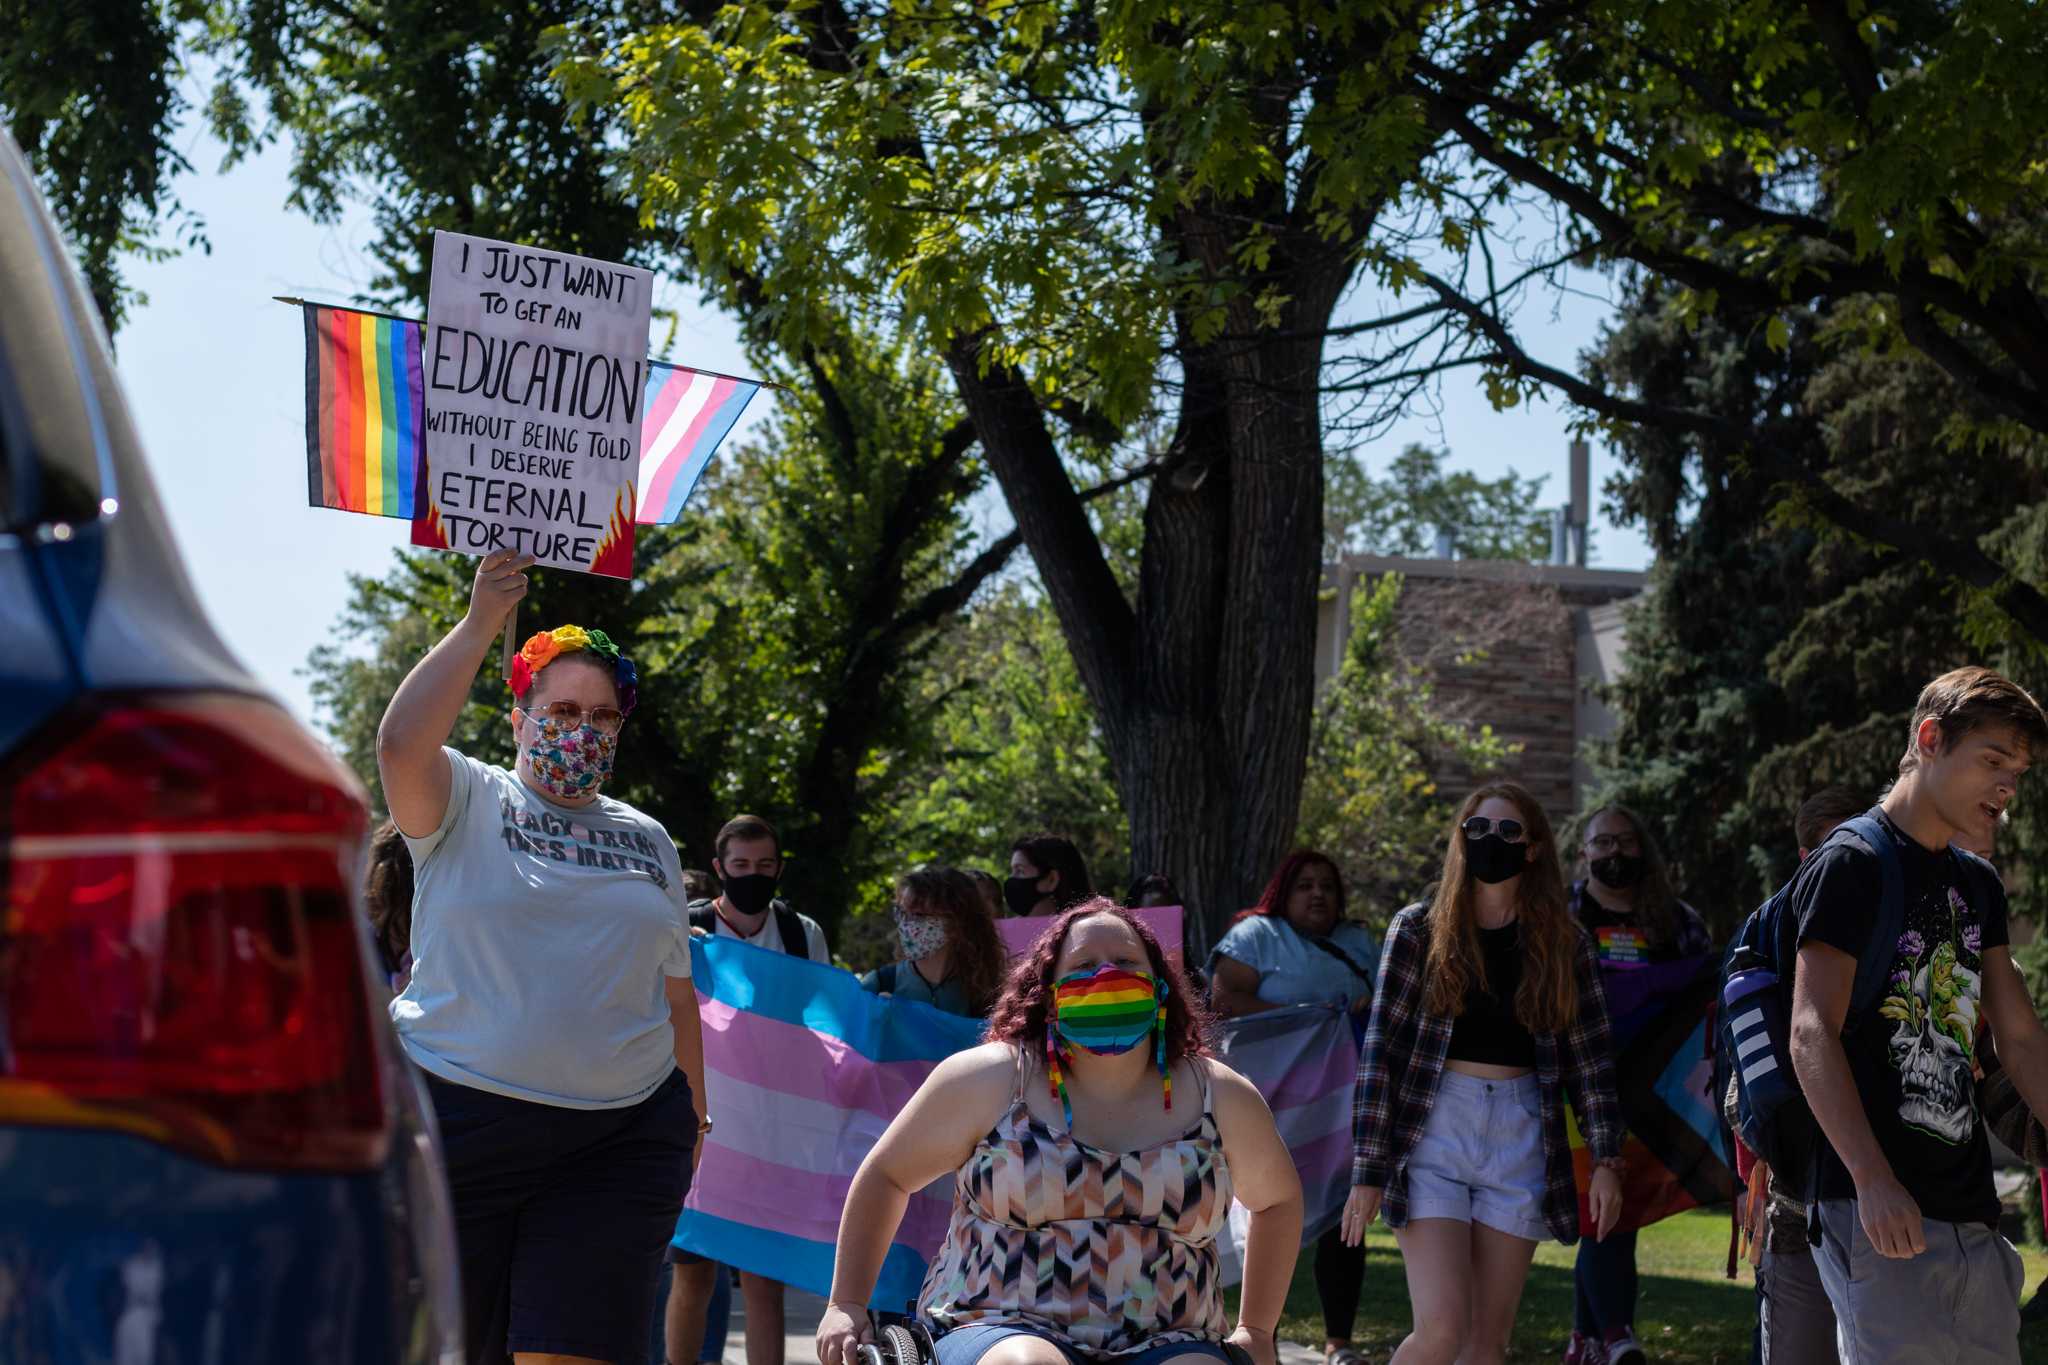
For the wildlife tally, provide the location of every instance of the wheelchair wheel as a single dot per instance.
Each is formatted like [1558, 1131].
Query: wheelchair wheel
[897, 1344]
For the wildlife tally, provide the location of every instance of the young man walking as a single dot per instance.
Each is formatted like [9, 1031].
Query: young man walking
[748, 865]
[1908, 1246]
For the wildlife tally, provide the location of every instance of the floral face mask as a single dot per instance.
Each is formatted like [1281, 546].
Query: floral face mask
[568, 762]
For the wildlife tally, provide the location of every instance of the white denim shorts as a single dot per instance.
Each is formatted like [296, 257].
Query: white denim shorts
[1480, 1157]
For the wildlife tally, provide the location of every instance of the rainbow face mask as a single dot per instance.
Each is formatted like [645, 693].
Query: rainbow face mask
[1105, 1012]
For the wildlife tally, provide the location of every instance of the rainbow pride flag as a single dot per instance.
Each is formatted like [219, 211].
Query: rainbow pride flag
[804, 1070]
[364, 411]
[688, 413]
[1676, 1154]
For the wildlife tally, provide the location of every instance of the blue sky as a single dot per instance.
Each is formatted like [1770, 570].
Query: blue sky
[215, 375]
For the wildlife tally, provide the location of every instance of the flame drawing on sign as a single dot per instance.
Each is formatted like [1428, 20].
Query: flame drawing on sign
[614, 556]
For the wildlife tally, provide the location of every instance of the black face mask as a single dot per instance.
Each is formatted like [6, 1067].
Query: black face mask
[750, 894]
[1618, 870]
[1021, 894]
[1493, 859]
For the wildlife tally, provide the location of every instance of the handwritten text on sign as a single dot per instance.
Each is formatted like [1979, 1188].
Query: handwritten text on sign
[535, 368]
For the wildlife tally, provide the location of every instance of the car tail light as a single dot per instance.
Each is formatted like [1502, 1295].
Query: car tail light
[179, 955]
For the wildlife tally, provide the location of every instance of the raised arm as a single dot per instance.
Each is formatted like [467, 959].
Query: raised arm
[423, 711]
[1264, 1180]
[934, 1134]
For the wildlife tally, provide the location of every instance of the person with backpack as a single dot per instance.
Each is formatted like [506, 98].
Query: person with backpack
[1624, 899]
[1489, 1016]
[952, 959]
[1902, 946]
[1298, 948]
[748, 866]
[1795, 1323]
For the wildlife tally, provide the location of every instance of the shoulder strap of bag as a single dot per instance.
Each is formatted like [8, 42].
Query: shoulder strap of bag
[790, 925]
[1873, 968]
[1334, 951]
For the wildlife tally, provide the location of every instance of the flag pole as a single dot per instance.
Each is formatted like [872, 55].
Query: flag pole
[511, 647]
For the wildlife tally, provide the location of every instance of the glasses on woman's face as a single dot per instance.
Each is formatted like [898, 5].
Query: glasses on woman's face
[1478, 827]
[606, 720]
[1601, 845]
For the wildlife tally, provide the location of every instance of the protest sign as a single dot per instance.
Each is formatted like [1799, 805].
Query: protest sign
[535, 382]
[1020, 933]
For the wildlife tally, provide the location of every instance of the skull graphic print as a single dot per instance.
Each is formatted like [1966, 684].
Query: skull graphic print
[1935, 987]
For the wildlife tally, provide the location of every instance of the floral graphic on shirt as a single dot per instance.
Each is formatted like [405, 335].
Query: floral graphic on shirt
[1933, 1003]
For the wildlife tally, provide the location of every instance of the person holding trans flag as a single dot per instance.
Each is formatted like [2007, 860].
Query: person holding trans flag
[1095, 1068]
[550, 1003]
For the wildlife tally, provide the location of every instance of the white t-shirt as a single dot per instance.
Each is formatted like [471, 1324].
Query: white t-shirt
[769, 935]
[541, 934]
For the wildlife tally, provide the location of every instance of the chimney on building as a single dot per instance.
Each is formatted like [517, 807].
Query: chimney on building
[1446, 543]
[1580, 513]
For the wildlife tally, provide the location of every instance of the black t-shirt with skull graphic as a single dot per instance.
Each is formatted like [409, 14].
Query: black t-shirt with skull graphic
[1911, 1053]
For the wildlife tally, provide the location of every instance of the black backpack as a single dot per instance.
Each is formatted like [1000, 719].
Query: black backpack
[788, 923]
[1753, 1039]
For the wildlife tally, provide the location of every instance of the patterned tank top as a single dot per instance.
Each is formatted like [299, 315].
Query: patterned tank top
[1109, 1252]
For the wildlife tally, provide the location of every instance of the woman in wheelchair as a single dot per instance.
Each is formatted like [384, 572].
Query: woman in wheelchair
[1095, 1149]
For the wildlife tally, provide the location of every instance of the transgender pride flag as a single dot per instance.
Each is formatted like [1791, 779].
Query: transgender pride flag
[686, 414]
[804, 1070]
[1302, 1059]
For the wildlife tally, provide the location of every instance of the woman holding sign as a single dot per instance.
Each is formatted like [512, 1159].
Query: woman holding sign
[550, 1002]
[1095, 1068]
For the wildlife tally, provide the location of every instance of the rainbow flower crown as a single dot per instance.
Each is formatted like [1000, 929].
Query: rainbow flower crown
[544, 647]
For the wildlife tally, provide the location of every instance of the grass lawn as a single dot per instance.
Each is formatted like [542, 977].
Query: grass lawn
[1690, 1315]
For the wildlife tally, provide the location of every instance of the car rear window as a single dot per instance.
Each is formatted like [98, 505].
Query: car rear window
[51, 432]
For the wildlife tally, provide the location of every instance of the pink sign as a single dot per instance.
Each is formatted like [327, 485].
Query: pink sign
[1163, 920]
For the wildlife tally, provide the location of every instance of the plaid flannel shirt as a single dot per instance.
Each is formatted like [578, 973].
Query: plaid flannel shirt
[1402, 1065]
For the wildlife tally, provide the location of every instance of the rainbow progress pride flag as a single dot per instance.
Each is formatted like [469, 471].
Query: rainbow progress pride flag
[803, 1070]
[364, 414]
[366, 419]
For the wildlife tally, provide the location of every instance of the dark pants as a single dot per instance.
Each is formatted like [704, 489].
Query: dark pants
[561, 1216]
[1340, 1277]
[1605, 1285]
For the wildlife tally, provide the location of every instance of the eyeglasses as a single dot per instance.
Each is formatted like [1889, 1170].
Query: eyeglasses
[606, 720]
[1478, 827]
[1604, 844]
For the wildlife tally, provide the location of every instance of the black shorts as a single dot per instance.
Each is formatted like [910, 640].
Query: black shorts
[561, 1216]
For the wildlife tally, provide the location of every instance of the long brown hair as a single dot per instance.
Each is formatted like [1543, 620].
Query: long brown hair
[1019, 1016]
[387, 894]
[976, 952]
[1548, 1000]
[1656, 902]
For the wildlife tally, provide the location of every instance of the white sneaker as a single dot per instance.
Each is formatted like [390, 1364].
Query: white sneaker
[1625, 1350]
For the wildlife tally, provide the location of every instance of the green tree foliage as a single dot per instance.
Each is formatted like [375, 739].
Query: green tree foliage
[92, 93]
[1100, 216]
[1873, 165]
[1770, 656]
[1403, 513]
[1371, 801]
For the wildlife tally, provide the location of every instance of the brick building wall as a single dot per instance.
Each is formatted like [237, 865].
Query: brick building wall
[1505, 645]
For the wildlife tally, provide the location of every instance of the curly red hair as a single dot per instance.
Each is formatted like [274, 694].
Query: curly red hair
[1020, 1012]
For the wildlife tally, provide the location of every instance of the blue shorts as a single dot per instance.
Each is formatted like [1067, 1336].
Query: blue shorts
[561, 1216]
[965, 1345]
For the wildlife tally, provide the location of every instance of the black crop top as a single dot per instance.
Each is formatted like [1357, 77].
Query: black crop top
[1488, 1031]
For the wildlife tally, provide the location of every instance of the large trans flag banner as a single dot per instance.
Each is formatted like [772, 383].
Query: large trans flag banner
[1303, 1059]
[1676, 1151]
[804, 1070]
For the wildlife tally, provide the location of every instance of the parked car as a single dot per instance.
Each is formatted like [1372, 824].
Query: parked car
[212, 1151]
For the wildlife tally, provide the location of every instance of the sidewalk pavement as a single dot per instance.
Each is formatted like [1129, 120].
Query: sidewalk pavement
[802, 1309]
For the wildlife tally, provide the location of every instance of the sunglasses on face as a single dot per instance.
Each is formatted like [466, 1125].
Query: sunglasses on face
[606, 720]
[1478, 827]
